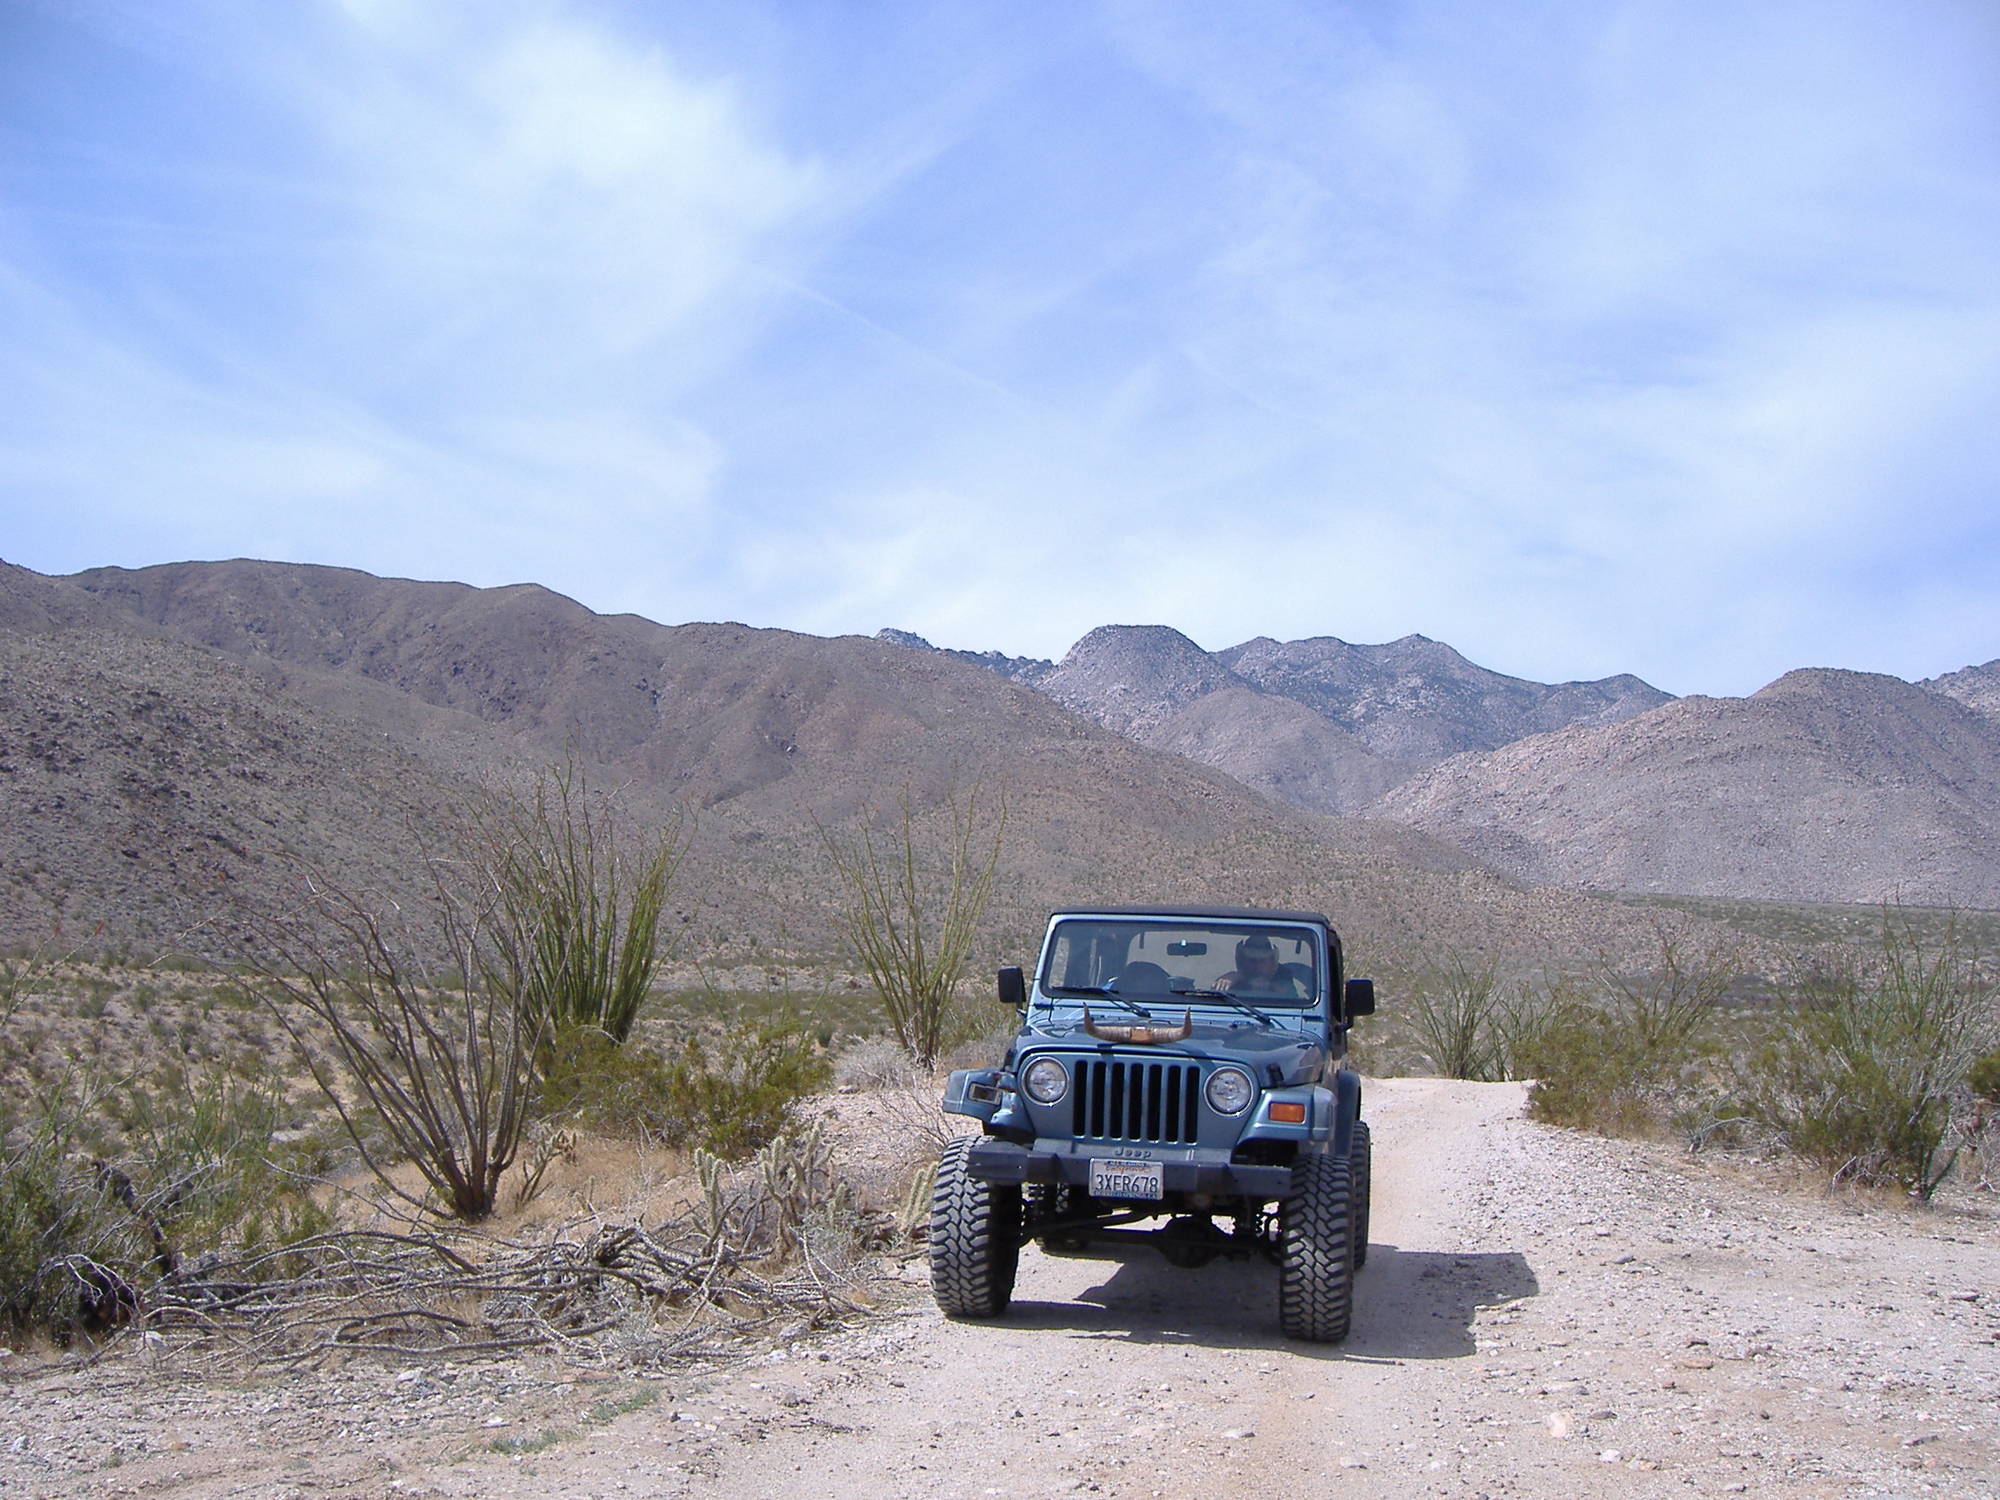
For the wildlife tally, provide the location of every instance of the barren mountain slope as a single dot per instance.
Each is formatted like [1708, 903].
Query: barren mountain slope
[1825, 786]
[150, 792]
[1975, 687]
[455, 742]
[1157, 686]
[1417, 699]
[762, 731]
[1279, 747]
[519, 656]
[33, 602]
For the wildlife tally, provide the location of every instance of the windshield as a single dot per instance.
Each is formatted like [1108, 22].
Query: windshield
[1138, 958]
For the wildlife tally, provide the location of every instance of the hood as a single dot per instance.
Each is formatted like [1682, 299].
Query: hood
[1258, 1048]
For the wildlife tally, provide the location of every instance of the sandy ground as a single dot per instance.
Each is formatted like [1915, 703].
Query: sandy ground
[1543, 1314]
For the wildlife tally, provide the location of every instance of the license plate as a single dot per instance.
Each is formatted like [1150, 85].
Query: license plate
[1110, 1178]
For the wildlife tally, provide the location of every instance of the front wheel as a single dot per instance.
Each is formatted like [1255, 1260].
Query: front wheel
[1316, 1251]
[975, 1238]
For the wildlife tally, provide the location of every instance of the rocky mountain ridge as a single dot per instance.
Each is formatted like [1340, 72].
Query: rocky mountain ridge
[1826, 785]
[1029, 670]
[1417, 699]
[1975, 687]
[392, 692]
[1320, 723]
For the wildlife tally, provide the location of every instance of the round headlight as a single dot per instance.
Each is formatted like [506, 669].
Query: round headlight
[1045, 1080]
[1230, 1091]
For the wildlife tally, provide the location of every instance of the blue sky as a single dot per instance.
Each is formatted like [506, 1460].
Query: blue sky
[1586, 336]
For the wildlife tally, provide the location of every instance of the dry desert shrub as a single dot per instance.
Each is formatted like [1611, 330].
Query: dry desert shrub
[430, 1027]
[425, 1060]
[1868, 1071]
[1622, 1049]
[1867, 1065]
[875, 1062]
[912, 899]
[1461, 1008]
[204, 1232]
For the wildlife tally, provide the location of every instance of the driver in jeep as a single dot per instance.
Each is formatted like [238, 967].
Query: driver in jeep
[1257, 972]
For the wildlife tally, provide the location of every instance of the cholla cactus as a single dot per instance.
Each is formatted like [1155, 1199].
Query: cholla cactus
[712, 1173]
[800, 1183]
[913, 1215]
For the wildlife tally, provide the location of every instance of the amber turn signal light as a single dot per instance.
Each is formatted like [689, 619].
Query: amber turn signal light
[1288, 1114]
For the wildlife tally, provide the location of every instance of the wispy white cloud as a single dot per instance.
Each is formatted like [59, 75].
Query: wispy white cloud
[513, 248]
[1588, 337]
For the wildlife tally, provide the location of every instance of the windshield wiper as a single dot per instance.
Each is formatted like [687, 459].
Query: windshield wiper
[1105, 993]
[1227, 999]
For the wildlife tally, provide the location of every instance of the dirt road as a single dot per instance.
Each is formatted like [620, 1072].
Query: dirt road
[1542, 1314]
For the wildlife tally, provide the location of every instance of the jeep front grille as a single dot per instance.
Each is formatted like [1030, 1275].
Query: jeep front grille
[1137, 1101]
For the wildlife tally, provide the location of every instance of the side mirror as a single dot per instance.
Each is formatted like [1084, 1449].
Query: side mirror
[1013, 988]
[1360, 997]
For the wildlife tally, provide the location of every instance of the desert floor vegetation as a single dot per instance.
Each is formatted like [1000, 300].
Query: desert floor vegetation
[665, 1196]
[1877, 1063]
[329, 1149]
[1798, 925]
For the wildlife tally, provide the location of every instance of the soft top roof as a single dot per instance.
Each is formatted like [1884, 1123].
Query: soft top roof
[1225, 913]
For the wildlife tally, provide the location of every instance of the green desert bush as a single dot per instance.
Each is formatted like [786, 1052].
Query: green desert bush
[738, 1095]
[54, 1224]
[1587, 1067]
[582, 905]
[1983, 1078]
[728, 1095]
[201, 1157]
[1861, 1072]
[109, 1187]
[1980, 1122]
[1628, 1051]
[592, 1082]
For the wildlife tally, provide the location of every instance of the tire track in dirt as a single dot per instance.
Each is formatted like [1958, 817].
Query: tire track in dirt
[1543, 1313]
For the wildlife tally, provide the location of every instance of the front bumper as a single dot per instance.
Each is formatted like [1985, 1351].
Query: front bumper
[988, 1095]
[1183, 1171]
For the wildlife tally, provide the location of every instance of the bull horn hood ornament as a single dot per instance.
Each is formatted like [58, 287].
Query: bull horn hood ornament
[1144, 1036]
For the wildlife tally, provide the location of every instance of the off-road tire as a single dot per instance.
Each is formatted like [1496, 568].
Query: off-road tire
[1316, 1251]
[975, 1238]
[1359, 1155]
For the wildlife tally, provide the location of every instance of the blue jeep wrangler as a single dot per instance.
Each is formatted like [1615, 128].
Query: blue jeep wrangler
[1180, 1063]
